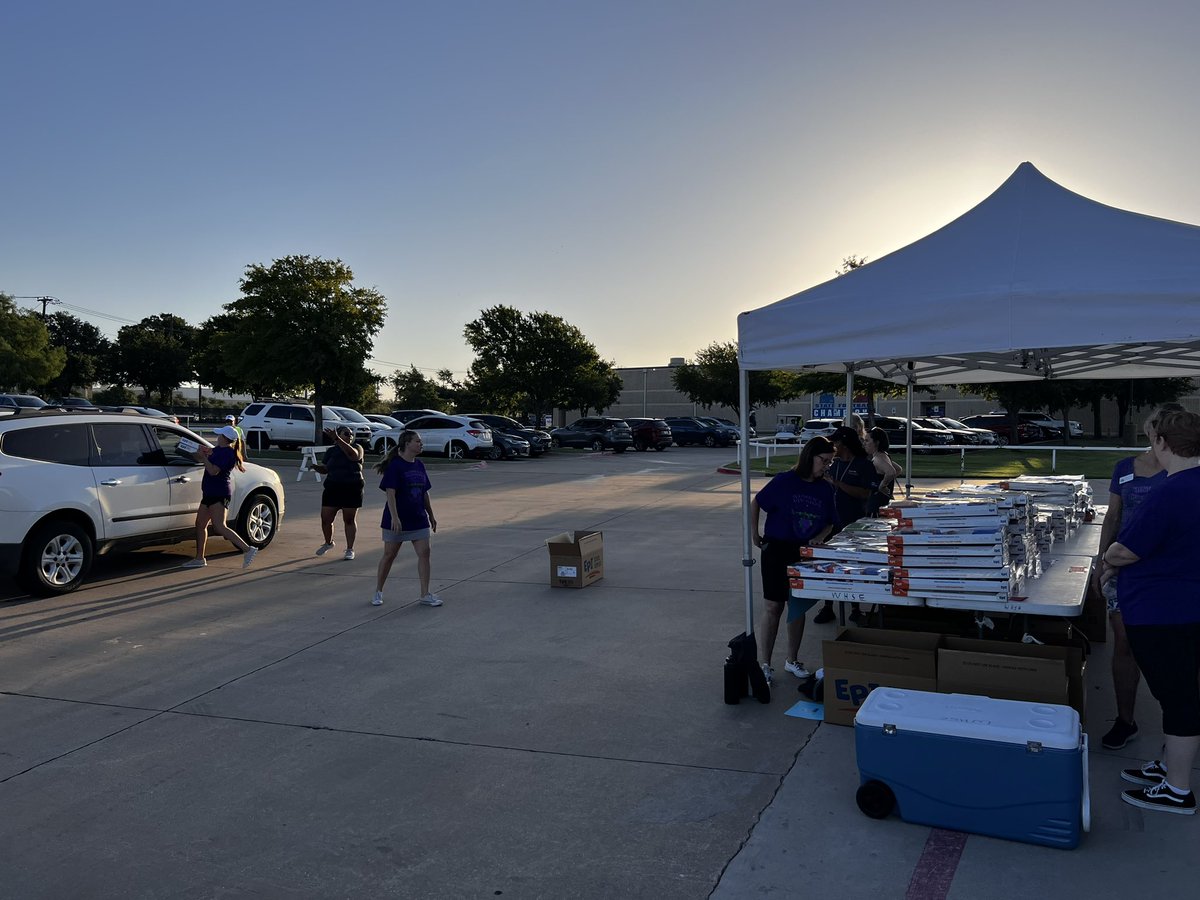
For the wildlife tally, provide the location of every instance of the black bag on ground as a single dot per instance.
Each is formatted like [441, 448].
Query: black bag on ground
[743, 675]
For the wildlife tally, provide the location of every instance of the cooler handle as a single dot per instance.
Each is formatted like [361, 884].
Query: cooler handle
[1087, 790]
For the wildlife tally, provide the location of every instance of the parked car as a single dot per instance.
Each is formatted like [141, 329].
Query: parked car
[143, 411]
[82, 484]
[539, 441]
[353, 415]
[385, 421]
[457, 437]
[958, 435]
[290, 425]
[924, 440]
[407, 415]
[1076, 428]
[998, 422]
[983, 435]
[74, 403]
[21, 401]
[650, 433]
[596, 432]
[818, 428]
[734, 432]
[734, 425]
[507, 446]
[687, 430]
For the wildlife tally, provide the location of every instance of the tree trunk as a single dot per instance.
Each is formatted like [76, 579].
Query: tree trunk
[1096, 429]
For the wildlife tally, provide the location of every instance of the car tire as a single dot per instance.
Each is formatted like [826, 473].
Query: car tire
[710, 441]
[58, 556]
[555, 444]
[597, 445]
[258, 521]
[1001, 441]
[456, 450]
[495, 453]
[258, 441]
[384, 447]
[639, 445]
[661, 447]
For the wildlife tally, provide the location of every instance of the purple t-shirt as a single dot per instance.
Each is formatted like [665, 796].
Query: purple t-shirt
[1163, 586]
[220, 485]
[1130, 487]
[797, 510]
[411, 483]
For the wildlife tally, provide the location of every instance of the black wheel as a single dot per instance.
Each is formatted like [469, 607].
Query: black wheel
[710, 441]
[597, 444]
[495, 453]
[456, 450]
[258, 441]
[258, 521]
[555, 443]
[639, 445]
[57, 557]
[1001, 441]
[876, 799]
[661, 447]
[385, 446]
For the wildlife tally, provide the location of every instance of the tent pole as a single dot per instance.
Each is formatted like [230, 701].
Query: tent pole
[849, 394]
[908, 450]
[747, 525]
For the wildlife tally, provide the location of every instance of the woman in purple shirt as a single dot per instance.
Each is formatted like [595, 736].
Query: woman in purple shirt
[1153, 560]
[216, 490]
[407, 515]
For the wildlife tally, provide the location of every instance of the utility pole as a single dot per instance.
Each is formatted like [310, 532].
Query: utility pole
[45, 301]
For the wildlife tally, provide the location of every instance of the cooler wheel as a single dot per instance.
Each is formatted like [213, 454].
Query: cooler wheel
[876, 799]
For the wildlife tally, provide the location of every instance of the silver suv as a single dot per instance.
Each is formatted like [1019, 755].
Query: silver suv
[77, 484]
[290, 425]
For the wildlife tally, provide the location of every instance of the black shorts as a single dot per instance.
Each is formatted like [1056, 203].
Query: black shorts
[775, 558]
[342, 496]
[213, 501]
[1169, 657]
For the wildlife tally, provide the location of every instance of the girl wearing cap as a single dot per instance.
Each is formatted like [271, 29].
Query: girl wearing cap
[407, 515]
[343, 471]
[216, 490]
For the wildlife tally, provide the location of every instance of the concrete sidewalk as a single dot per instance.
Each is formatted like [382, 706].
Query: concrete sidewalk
[269, 733]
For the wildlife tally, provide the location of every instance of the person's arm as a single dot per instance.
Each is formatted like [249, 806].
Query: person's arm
[391, 505]
[202, 456]
[352, 451]
[820, 538]
[429, 512]
[755, 534]
[1108, 533]
[857, 491]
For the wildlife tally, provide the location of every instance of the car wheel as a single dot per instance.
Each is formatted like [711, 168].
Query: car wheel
[495, 453]
[456, 450]
[710, 441]
[597, 444]
[58, 555]
[661, 447]
[258, 441]
[555, 443]
[259, 520]
[639, 445]
[1001, 441]
[385, 446]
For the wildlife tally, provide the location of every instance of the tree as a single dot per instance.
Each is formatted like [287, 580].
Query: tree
[712, 380]
[300, 325]
[532, 361]
[156, 354]
[598, 389]
[87, 352]
[415, 390]
[27, 358]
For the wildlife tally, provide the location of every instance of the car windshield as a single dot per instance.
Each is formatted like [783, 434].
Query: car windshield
[389, 421]
[29, 402]
[954, 423]
[351, 415]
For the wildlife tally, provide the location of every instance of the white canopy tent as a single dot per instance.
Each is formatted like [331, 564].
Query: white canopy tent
[1034, 282]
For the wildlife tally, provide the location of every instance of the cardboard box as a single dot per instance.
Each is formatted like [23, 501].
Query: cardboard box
[861, 659]
[576, 558]
[1005, 670]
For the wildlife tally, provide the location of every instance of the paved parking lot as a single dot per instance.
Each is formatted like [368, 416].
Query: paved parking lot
[220, 733]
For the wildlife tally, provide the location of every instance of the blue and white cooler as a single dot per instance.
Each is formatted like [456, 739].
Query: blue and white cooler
[1004, 768]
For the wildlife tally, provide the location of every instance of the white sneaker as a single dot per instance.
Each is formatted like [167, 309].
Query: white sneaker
[377, 600]
[796, 668]
[349, 554]
[431, 600]
[324, 548]
[195, 564]
[248, 557]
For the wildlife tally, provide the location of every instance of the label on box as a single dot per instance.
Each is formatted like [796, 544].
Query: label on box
[568, 572]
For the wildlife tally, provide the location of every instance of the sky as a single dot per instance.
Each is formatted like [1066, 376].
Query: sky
[645, 170]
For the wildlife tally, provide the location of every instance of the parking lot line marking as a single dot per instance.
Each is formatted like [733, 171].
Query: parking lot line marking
[935, 869]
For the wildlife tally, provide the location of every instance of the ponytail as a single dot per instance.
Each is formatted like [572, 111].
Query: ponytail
[405, 436]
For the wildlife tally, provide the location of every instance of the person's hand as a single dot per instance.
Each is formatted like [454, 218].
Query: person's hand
[757, 539]
[1107, 573]
[432, 522]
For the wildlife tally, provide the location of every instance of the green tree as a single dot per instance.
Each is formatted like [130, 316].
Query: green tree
[712, 380]
[28, 360]
[87, 352]
[597, 388]
[301, 325]
[415, 390]
[156, 355]
[114, 395]
[532, 361]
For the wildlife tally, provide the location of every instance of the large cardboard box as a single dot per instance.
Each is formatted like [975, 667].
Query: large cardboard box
[861, 659]
[1004, 670]
[576, 558]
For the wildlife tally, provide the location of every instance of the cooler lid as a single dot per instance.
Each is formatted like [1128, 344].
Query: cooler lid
[968, 716]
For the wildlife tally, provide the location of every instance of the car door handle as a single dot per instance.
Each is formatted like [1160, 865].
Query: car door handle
[182, 479]
[111, 481]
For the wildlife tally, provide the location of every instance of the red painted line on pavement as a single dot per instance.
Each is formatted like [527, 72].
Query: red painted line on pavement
[937, 865]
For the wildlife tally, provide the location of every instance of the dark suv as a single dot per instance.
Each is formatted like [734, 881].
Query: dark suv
[539, 441]
[999, 423]
[923, 439]
[596, 432]
[687, 430]
[649, 433]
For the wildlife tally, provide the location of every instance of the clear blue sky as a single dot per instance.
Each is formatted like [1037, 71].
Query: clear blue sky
[645, 170]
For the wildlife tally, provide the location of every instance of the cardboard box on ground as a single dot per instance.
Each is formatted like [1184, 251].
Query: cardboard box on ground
[576, 558]
[859, 660]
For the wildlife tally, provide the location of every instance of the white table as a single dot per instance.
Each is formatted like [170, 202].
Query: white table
[310, 456]
[1059, 591]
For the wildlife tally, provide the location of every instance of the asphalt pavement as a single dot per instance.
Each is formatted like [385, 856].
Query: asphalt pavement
[268, 733]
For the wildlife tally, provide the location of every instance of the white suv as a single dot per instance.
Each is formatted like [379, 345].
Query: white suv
[77, 484]
[290, 425]
[455, 436]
